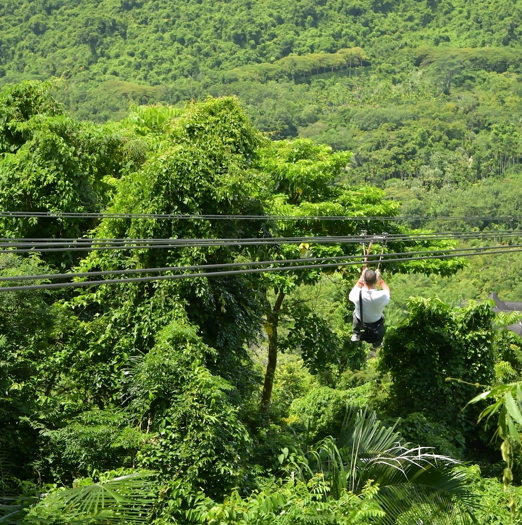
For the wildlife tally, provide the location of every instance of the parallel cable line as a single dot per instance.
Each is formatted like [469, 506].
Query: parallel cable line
[241, 272]
[365, 236]
[101, 215]
[140, 239]
[371, 258]
[239, 242]
[255, 241]
[182, 241]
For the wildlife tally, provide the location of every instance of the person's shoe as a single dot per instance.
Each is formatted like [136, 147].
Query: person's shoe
[376, 346]
[356, 337]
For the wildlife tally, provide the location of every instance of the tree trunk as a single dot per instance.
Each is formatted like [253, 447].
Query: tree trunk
[271, 325]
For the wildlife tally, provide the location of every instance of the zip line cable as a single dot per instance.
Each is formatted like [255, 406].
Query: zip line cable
[182, 241]
[245, 263]
[92, 215]
[227, 273]
[97, 245]
[243, 272]
[4, 242]
[49, 241]
[67, 240]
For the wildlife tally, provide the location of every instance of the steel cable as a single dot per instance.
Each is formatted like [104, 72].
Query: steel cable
[171, 216]
[131, 244]
[67, 240]
[478, 251]
[242, 263]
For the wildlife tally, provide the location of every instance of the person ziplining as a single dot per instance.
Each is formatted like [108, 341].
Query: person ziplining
[368, 318]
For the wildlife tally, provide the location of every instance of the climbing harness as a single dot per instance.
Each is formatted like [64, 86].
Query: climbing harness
[370, 332]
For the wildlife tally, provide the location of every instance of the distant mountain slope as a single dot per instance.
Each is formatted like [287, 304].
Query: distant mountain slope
[158, 41]
[426, 94]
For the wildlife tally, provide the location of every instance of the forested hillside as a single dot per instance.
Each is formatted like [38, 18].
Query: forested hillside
[240, 397]
[126, 128]
[425, 91]
[159, 41]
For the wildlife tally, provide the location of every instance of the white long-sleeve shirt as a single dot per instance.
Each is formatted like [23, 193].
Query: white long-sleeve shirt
[374, 302]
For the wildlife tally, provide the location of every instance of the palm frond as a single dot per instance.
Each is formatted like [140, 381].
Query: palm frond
[505, 319]
[10, 514]
[126, 499]
[327, 460]
[410, 504]
[413, 481]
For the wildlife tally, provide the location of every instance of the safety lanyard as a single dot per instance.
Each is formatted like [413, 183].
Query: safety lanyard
[366, 252]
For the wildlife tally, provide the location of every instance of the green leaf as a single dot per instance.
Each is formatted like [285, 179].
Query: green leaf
[513, 432]
[513, 408]
[126, 499]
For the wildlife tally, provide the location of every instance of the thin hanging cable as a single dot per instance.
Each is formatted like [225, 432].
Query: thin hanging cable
[182, 241]
[366, 236]
[244, 263]
[31, 240]
[199, 244]
[92, 215]
[237, 272]
[256, 241]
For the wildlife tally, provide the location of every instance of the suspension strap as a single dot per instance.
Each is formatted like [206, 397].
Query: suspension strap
[384, 238]
[366, 252]
[363, 236]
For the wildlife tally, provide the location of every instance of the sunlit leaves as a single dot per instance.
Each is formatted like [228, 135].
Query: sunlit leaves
[435, 342]
[125, 499]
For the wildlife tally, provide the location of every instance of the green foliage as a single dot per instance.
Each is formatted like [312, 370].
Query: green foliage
[509, 349]
[12, 505]
[298, 67]
[321, 411]
[184, 40]
[487, 199]
[432, 97]
[495, 499]
[507, 404]
[317, 343]
[292, 381]
[160, 375]
[367, 450]
[417, 429]
[476, 282]
[179, 178]
[93, 441]
[123, 499]
[194, 431]
[20, 103]
[50, 162]
[305, 179]
[436, 342]
[26, 322]
[292, 501]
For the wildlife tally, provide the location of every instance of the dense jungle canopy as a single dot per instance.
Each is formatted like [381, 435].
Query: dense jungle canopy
[241, 399]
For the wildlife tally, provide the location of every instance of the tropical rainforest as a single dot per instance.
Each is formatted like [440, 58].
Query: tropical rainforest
[241, 398]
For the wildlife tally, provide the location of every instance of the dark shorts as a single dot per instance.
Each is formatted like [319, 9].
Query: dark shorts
[369, 332]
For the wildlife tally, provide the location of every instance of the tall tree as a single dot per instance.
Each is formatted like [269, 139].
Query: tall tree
[201, 165]
[306, 180]
[51, 163]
